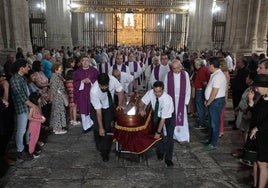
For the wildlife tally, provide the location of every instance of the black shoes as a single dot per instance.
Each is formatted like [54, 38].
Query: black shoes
[169, 163]
[25, 156]
[233, 123]
[160, 156]
[88, 130]
[105, 157]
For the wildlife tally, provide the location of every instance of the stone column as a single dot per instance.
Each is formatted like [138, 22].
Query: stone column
[233, 37]
[265, 27]
[58, 18]
[1, 36]
[248, 34]
[200, 25]
[14, 22]
[77, 28]
[254, 39]
[14, 27]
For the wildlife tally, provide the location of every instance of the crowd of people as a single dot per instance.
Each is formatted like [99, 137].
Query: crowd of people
[46, 90]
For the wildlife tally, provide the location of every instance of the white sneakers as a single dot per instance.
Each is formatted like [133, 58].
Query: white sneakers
[75, 123]
[60, 131]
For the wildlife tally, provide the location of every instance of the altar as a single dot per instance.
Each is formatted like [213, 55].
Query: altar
[132, 131]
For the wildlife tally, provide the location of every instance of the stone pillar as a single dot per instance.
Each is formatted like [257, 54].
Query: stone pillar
[1, 36]
[14, 24]
[200, 24]
[254, 40]
[58, 18]
[264, 35]
[248, 34]
[233, 29]
[14, 27]
[77, 28]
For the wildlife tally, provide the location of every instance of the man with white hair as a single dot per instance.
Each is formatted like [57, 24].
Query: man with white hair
[177, 85]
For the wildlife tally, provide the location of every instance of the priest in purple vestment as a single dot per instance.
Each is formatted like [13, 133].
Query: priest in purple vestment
[177, 85]
[84, 77]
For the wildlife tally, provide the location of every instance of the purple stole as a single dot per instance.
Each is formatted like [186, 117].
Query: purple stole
[135, 65]
[123, 68]
[170, 88]
[156, 71]
[111, 60]
[150, 60]
[106, 68]
[141, 64]
[124, 58]
[152, 67]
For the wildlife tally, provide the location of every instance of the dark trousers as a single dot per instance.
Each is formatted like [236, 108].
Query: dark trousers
[103, 143]
[236, 96]
[6, 129]
[166, 145]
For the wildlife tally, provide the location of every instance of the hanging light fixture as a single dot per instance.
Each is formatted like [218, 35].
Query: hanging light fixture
[129, 11]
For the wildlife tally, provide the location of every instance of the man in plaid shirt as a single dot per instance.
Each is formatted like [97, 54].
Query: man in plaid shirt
[20, 94]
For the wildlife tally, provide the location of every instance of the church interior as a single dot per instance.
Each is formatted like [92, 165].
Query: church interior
[237, 26]
[62, 30]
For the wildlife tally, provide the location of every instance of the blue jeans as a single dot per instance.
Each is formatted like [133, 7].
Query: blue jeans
[214, 110]
[22, 120]
[200, 107]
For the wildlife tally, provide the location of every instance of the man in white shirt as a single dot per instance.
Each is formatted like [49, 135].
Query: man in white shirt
[229, 61]
[125, 79]
[163, 108]
[215, 101]
[102, 104]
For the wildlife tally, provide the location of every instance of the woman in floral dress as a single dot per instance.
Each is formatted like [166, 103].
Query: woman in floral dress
[59, 100]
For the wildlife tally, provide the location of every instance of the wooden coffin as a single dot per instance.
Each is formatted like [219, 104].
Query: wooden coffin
[129, 117]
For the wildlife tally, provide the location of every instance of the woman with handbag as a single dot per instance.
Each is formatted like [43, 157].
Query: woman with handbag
[259, 124]
[59, 100]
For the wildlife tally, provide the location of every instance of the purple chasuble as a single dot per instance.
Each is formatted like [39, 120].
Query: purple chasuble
[170, 88]
[82, 97]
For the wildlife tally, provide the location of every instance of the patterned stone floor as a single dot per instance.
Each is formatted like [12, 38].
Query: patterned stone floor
[71, 160]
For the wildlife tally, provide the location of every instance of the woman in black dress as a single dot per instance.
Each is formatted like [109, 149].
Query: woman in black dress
[260, 125]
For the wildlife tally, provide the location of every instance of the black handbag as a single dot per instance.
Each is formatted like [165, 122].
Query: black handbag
[250, 153]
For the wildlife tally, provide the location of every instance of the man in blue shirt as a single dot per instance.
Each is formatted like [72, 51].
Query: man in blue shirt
[47, 65]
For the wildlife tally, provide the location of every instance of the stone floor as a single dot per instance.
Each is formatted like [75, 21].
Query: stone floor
[71, 160]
